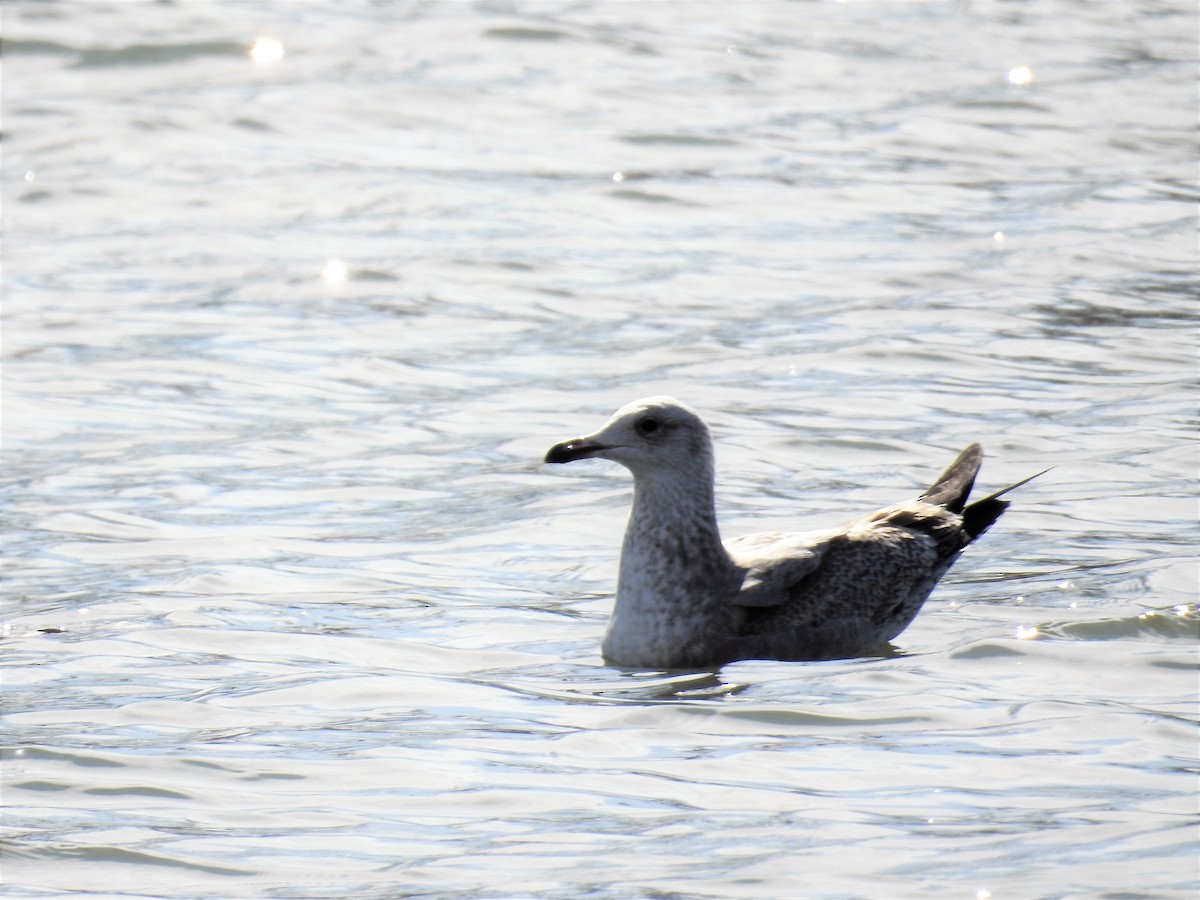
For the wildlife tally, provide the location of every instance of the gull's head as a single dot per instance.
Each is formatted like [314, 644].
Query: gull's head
[657, 433]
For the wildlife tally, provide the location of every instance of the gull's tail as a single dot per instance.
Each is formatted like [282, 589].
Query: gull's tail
[954, 486]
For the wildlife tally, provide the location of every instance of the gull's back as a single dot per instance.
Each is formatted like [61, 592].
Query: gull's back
[849, 591]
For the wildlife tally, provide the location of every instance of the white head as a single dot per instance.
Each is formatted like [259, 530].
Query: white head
[657, 434]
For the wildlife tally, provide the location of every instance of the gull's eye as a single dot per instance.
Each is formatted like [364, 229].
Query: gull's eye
[647, 426]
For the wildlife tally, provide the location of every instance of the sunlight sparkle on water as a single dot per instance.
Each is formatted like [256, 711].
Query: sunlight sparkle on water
[1020, 76]
[334, 273]
[1027, 632]
[266, 50]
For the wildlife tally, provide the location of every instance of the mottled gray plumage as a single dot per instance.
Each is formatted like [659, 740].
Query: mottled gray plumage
[687, 599]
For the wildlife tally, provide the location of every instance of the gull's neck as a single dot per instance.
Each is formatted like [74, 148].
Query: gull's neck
[676, 576]
[672, 550]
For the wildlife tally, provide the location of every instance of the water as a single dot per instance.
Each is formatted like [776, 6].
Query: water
[293, 610]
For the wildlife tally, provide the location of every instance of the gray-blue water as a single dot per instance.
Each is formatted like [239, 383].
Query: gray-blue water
[296, 296]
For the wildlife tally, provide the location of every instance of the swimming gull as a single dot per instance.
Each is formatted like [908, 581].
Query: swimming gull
[685, 599]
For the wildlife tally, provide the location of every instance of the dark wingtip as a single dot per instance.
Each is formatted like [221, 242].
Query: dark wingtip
[980, 515]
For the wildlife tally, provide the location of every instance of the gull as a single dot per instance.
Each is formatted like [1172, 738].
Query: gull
[687, 599]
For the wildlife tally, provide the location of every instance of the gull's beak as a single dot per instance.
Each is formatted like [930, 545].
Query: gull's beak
[576, 448]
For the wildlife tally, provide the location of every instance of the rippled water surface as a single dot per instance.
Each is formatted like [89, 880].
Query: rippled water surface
[296, 297]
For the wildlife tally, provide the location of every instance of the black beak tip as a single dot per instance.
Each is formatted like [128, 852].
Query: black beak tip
[560, 453]
[569, 451]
